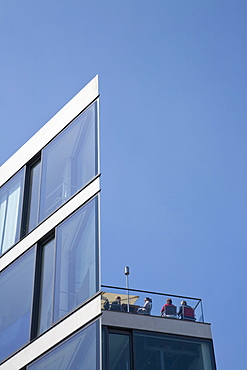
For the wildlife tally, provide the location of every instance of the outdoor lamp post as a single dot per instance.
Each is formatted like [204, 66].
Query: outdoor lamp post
[127, 272]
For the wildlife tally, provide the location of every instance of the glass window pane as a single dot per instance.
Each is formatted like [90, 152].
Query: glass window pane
[69, 162]
[119, 352]
[76, 276]
[158, 351]
[10, 211]
[46, 289]
[15, 308]
[79, 352]
[32, 214]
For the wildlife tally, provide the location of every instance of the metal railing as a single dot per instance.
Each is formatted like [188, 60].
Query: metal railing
[133, 299]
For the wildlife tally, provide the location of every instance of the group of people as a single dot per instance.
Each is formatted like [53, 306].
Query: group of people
[168, 310]
[116, 305]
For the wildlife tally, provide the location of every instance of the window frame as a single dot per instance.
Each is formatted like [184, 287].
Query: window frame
[105, 344]
[27, 198]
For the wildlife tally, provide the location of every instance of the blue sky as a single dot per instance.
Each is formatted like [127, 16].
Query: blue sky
[173, 86]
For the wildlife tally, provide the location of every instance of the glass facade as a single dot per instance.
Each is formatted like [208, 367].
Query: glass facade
[55, 268]
[148, 350]
[15, 307]
[76, 277]
[119, 351]
[65, 269]
[69, 273]
[67, 164]
[160, 351]
[11, 195]
[79, 352]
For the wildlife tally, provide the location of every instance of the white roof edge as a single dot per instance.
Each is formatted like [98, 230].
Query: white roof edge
[56, 124]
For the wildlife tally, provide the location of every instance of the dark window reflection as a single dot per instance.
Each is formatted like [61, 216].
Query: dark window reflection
[119, 351]
[156, 352]
[33, 204]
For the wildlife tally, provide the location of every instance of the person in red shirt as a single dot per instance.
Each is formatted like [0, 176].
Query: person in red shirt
[163, 309]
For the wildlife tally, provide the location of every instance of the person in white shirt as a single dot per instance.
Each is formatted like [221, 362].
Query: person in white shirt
[146, 308]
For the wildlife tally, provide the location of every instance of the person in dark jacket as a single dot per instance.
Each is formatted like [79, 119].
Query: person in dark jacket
[116, 305]
[181, 311]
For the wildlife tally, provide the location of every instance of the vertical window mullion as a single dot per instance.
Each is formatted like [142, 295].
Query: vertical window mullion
[97, 243]
[40, 184]
[4, 222]
[34, 195]
[20, 206]
[54, 277]
[26, 199]
[36, 292]
[44, 298]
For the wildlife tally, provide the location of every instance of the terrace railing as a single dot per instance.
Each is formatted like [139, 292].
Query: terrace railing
[133, 299]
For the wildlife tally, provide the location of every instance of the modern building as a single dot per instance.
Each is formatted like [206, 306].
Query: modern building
[53, 312]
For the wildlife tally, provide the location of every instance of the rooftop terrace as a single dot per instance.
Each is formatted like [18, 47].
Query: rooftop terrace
[132, 300]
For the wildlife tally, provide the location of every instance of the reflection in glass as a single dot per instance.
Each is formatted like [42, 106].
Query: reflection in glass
[79, 352]
[46, 289]
[10, 211]
[158, 351]
[69, 162]
[119, 352]
[76, 276]
[15, 308]
[33, 204]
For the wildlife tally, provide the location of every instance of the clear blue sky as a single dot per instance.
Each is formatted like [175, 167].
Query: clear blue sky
[173, 85]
